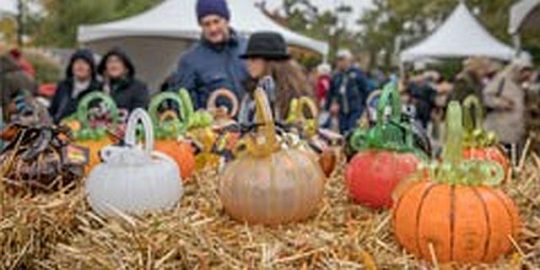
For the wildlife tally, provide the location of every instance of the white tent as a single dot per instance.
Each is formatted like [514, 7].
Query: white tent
[155, 38]
[524, 14]
[461, 35]
[8, 8]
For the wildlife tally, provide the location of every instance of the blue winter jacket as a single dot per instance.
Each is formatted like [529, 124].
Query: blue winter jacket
[206, 67]
[353, 99]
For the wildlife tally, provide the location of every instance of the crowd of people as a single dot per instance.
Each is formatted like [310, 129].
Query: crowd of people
[223, 59]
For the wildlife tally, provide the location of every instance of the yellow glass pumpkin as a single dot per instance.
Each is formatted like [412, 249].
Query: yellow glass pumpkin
[270, 184]
[325, 143]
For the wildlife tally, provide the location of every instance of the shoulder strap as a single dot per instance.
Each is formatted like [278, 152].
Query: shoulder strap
[500, 88]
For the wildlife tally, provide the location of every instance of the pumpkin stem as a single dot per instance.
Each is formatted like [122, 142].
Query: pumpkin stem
[83, 110]
[297, 115]
[168, 125]
[223, 93]
[186, 109]
[453, 147]
[391, 134]
[389, 99]
[475, 135]
[454, 169]
[264, 142]
[140, 115]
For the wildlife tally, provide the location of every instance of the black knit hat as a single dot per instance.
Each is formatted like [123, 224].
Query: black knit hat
[123, 57]
[85, 55]
[266, 45]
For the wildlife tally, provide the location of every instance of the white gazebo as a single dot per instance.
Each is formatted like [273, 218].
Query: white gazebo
[461, 35]
[156, 38]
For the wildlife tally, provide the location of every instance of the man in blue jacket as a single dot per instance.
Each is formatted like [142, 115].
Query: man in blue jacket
[213, 62]
[348, 92]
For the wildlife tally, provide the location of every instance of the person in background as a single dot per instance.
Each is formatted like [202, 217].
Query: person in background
[423, 97]
[13, 82]
[120, 83]
[23, 62]
[470, 80]
[348, 92]
[270, 66]
[505, 98]
[213, 62]
[81, 79]
[322, 86]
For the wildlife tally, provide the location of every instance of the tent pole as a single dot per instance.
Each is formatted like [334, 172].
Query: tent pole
[517, 43]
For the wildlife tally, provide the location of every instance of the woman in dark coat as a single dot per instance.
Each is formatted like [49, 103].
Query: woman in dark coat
[81, 79]
[120, 83]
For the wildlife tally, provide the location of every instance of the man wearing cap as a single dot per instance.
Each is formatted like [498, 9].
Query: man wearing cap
[348, 92]
[213, 62]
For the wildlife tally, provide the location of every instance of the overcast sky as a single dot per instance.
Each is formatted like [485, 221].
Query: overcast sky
[358, 6]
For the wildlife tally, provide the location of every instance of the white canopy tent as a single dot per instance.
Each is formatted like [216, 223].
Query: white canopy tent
[8, 8]
[155, 38]
[461, 35]
[525, 14]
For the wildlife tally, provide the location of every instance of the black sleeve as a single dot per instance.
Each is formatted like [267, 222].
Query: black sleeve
[141, 97]
[57, 101]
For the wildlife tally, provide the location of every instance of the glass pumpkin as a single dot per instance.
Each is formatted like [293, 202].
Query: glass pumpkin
[133, 180]
[170, 129]
[455, 207]
[326, 144]
[41, 158]
[94, 134]
[386, 155]
[270, 184]
[480, 144]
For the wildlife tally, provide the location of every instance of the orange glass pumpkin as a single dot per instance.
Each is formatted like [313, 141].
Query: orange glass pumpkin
[453, 212]
[480, 144]
[94, 134]
[169, 130]
[270, 184]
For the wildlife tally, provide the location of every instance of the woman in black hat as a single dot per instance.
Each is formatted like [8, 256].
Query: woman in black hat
[120, 83]
[270, 66]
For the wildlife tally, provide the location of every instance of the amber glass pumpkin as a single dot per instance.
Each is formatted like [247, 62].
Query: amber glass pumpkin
[325, 143]
[454, 211]
[479, 143]
[386, 155]
[94, 134]
[170, 129]
[270, 184]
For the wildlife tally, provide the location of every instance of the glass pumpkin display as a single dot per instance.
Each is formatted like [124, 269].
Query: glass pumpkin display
[41, 158]
[326, 144]
[133, 180]
[170, 130]
[270, 184]
[94, 124]
[480, 144]
[454, 208]
[386, 155]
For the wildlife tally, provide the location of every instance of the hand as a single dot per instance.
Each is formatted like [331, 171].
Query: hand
[508, 104]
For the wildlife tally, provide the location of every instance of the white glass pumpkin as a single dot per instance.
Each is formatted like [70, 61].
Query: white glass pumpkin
[133, 180]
